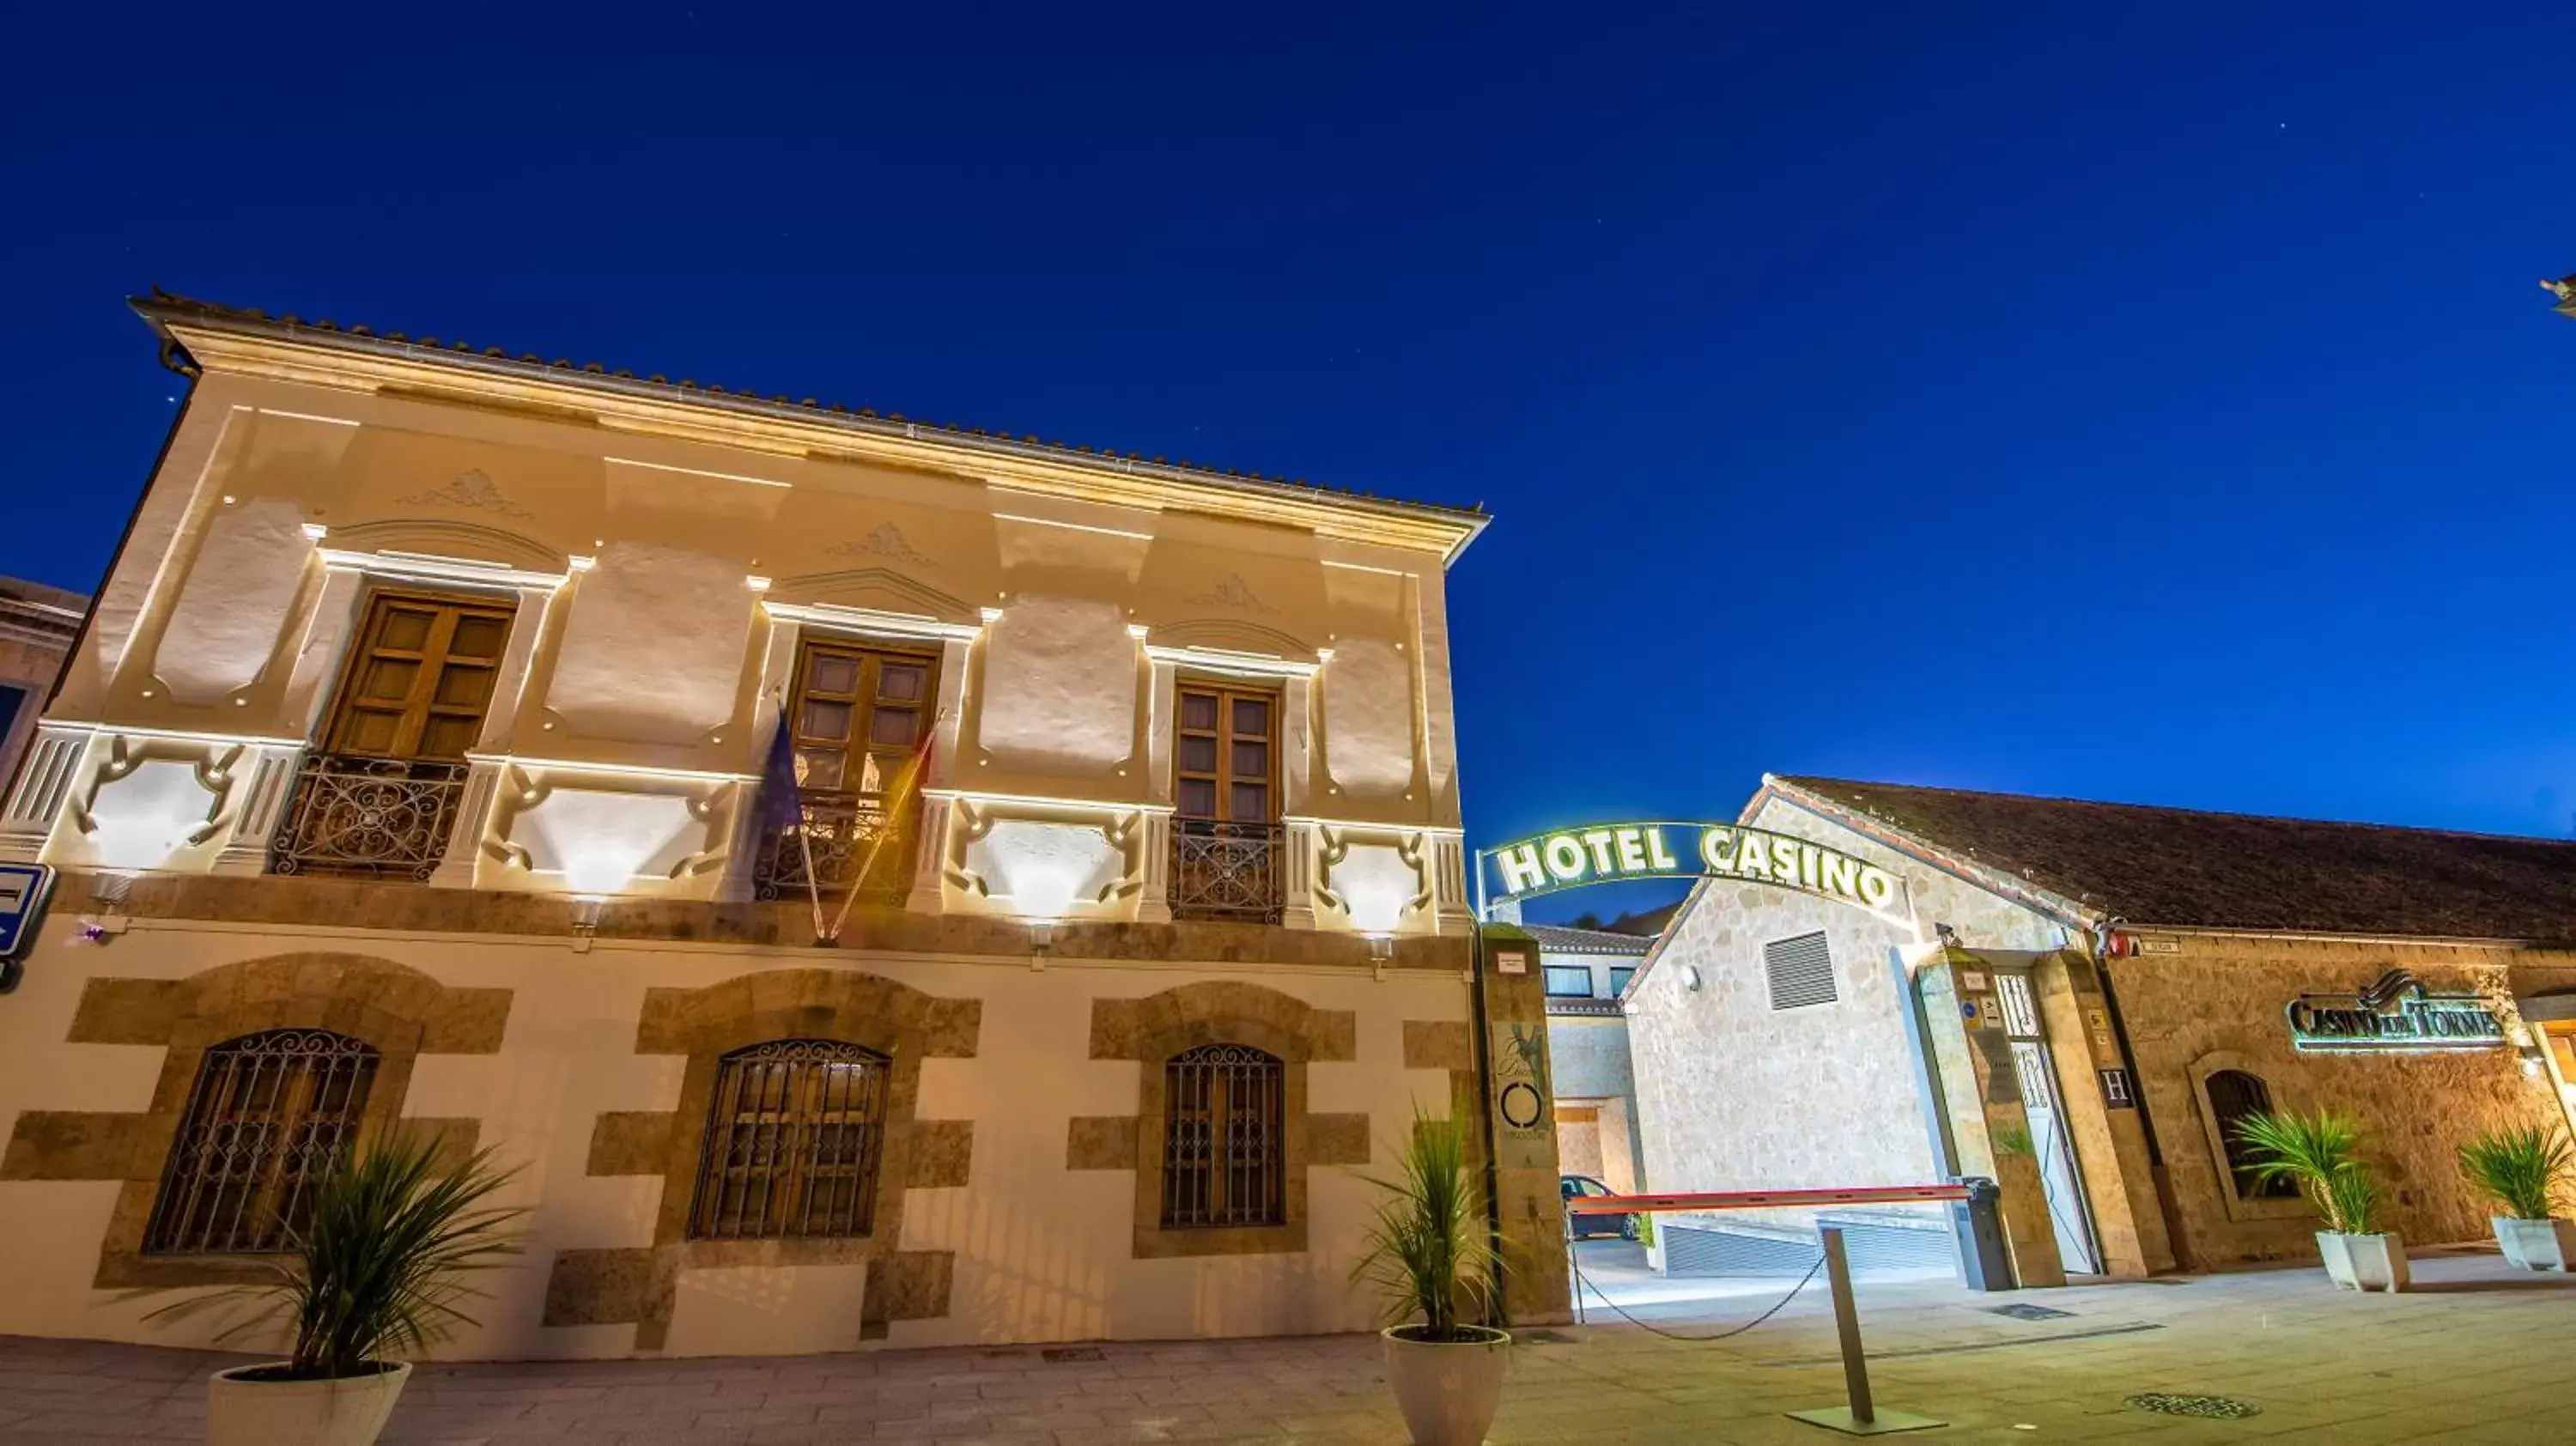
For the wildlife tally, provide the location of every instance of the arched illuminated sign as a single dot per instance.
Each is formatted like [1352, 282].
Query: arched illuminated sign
[1610, 853]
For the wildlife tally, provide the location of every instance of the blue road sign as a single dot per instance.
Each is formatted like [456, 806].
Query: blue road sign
[23, 890]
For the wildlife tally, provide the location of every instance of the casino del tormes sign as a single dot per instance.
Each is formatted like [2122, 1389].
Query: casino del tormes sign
[2395, 1013]
[1615, 852]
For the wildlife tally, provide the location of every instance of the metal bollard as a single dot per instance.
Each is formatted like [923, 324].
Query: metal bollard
[1860, 1417]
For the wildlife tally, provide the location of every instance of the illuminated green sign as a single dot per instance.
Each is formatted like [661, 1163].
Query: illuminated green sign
[1615, 852]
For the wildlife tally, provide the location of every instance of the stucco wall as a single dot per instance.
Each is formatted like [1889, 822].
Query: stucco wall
[1042, 1251]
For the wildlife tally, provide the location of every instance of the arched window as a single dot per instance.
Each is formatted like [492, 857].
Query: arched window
[268, 1116]
[1224, 1138]
[794, 1131]
[2235, 1095]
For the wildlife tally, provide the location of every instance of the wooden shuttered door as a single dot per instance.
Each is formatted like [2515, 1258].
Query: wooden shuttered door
[422, 678]
[1227, 763]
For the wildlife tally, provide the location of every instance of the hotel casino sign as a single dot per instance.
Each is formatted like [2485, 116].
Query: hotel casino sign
[1616, 852]
[2395, 1014]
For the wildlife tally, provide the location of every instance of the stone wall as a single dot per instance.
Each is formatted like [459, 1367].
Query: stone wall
[576, 1058]
[2220, 1001]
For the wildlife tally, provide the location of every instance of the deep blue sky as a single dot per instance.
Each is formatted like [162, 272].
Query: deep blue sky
[2151, 405]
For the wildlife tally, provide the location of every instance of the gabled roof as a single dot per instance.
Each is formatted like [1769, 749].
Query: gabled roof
[2185, 868]
[1565, 939]
[164, 309]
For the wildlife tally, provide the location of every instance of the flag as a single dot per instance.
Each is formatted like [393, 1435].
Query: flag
[780, 809]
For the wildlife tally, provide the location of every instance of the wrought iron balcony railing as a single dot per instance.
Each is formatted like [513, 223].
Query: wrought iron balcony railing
[373, 817]
[1227, 870]
[837, 838]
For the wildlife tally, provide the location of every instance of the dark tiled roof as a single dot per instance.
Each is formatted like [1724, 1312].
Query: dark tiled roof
[1563, 939]
[165, 303]
[1648, 924]
[2185, 868]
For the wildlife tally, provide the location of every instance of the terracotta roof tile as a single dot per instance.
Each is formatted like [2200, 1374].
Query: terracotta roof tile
[2187, 868]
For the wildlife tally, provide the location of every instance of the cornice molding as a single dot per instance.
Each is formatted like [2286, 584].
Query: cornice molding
[406, 371]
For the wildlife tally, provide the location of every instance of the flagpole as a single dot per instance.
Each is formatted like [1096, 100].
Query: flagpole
[903, 796]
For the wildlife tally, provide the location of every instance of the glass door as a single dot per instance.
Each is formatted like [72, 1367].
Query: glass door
[2070, 1217]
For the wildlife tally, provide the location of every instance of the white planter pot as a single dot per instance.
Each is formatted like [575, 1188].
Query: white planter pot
[2536, 1244]
[345, 1412]
[2364, 1262]
[1448, 1391]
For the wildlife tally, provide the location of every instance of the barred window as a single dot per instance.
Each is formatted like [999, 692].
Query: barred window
[1224, 1147]
[794, 1130]
[269, 1115]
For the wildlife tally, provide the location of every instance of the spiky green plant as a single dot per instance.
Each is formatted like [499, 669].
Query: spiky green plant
[378, 1273]
[2524, 1169]
[2321, 1154]
[1427, 1252]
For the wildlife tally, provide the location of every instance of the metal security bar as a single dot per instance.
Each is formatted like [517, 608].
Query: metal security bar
[839, 831]
[369, 816]
[1226, 870]
[269, 1115]
[1224, 1148]
[793, 1135]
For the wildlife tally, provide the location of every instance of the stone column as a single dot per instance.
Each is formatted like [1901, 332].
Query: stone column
[1981, 1091]
[1518, 1110]
[2110, 1144]
[265, 792]
[45, 779]
[465, 835]
[1154, 899]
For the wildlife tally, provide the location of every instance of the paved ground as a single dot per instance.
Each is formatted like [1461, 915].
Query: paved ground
[2476, 1355]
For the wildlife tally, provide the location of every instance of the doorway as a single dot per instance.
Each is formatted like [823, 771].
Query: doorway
[2070, 1214]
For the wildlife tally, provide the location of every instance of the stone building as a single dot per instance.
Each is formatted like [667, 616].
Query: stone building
[2077, 999]
[1585, 973]
[37, 625]
[478, 746]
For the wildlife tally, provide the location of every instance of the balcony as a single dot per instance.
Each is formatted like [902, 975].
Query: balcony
[1228, 871]
[839, 835]
[369, 817]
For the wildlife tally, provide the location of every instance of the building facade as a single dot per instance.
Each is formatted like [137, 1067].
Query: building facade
[2078, 1000]
[1586, 972]
[37, 625]
[477, 746]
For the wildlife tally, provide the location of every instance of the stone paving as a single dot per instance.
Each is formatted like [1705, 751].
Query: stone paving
[2476, 1354]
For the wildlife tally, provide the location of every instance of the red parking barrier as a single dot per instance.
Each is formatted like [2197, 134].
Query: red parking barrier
[1759, 1199]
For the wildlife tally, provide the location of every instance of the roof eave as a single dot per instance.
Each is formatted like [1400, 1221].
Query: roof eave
[170, 319]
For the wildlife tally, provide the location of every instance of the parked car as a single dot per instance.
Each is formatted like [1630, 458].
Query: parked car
[1589, 1227]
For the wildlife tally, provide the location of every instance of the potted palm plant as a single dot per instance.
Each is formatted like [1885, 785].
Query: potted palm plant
[2524, 1169]
[1428, 1254]
[375, 1276]
[2321, 1154]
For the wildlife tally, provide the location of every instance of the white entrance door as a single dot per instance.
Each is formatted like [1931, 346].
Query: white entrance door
[2069, 1217]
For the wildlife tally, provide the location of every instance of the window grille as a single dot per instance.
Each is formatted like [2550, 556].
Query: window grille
[1224, 1152]
[2021, 1009]
[2235, 1095]
[794, 1131]
[379, 798]
[1569, 981]
[1801, 970]
[269, 1115]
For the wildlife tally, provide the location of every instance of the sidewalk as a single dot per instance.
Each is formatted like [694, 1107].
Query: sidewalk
[2477, 1354]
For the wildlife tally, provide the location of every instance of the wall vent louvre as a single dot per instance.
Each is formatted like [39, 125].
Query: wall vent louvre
[1802, 971]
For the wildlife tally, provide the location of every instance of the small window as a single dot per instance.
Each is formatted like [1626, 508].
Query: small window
[1620, 974]
[1801, 970]
[794, 1130]
[1224, 1138]
[1569, 981]
[2235, 1095]
[268, 1117]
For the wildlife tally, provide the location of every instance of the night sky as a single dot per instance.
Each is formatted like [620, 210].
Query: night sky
[2152, 405]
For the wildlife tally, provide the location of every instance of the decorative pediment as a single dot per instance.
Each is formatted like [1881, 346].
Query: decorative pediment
[1233, 635]
[440, 538]
[882, 589]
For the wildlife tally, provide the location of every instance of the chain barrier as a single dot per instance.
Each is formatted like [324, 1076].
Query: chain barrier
[1574, 1261]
